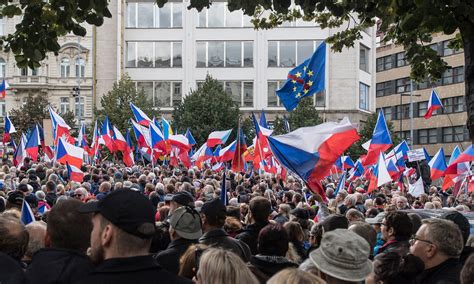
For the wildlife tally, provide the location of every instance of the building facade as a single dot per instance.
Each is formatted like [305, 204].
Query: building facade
[446, 127]
[169, 51]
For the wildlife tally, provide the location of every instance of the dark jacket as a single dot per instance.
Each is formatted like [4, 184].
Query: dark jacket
[281, 219]
[249, 235]
[136, 270]
[402, 247]
[51, 198]
[219, 238]
[445, 273]
[264, 267]
[11, 271]
[169, 258]
[52, 265]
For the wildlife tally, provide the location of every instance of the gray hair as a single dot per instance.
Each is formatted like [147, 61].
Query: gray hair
[354, 215]
[40, 195]
[37, 233]
[445, 235]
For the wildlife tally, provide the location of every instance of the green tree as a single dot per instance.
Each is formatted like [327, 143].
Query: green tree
[206, 109]
[356, 150]
[116, 103]
[305, 114]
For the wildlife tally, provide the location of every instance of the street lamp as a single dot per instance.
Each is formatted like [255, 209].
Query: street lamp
[411, 95]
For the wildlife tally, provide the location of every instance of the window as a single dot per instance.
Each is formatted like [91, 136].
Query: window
[63, 105]
[79, 106]
[177, 95]
[65, 68]
[162, 93]
[163, 16]
[455, 134]
[458, 74]
[428, 136]
[160, 54]
[402, 112]
[3, 66]
[384, 63]
[241, 92]
[385, 88]
[364, 58]
[400, 57]
[80, 67]
[2, 26]
[363, 96]
[422, 108]
[224, 54]
[24, 71]
[387, 111]
[131, 15]
[272, 98]
[219, 16]
[289, 53]
[454, 104]
[446, 50]
[145, 15]
[216, 15]
[403, 85]
[148, 15]
[404, 135]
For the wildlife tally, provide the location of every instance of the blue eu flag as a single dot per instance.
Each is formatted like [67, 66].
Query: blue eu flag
[304, 80]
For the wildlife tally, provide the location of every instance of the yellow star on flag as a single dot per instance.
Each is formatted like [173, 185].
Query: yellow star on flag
[298, 74]
[293, 81]
[310, 73]
[298, 95]
[305, 91]
[304, 68]
[310, 83]
[294, 89]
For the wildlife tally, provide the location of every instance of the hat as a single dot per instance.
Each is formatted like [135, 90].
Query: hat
[460, 221]
[335, 221]
[184, 198]
[127, 209]
[168, 197]
[23, 187]
[15, 198]
[377, 219]
[186, 222]
[118, 176]
[214, 208]
[300, 213]
[343, 255]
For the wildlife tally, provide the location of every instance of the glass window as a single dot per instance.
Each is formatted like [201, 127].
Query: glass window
[177, 93]
[177, 54]
[363, 96]
[131, 54]
[202, 18]
[458, 104]
[401, 59]
[387, 62]
[422, 108]
[248, 94]
[144, 54]
[65, 68]
[447, 77]
[234, 90]
[162, 94]
[233, 57]
[177, 15]
[305, 50]
[403, 85]
[248, 54]
[387, 111]
[201, 54]
[79, 106]
[145, 15]
[458, 74]
[147, 88]
[35, 72]
[384, 88]
[64, 105]
[24, 71]
[272, 98]
[216, 14]
[380, 64]
[162, 54]
[433, 136]
[364, 58]
[131, 15]
[233, 19]
[215, 54]
[163, 16]
[80, 67]
[2, 67]
[446, 50]
[287, 54]
[272, 54]
[423, 136]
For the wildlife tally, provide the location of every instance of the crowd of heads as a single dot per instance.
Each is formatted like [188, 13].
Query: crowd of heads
[269, 229]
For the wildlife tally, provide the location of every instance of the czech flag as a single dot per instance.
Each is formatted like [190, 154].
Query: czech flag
[68, 153]
[392, 169]
[74, 173]
[438, 165]
[119, 141]
[310, 152]
[157, 138]
[357, 171]
[238, 161]
[465, 157]
[9, 129]
[27, 215]
[128, 159]
[433, 104]
[190, 137]
[218, 137]
[340, 185]
[140, 116]
[261, 144]
[180, 142]
[380, 175]
[380, 142]
[60, 127]
[107, 134]
[32, 144]
[400, 148]
[454, 155]
[347, 163]
[3, 89]
[227, 153]
[142, 134]
[19, 154]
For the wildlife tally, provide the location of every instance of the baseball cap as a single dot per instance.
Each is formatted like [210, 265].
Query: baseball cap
[214, 208]
[127, 209]
[460, 221]
[186, 222]
[377, 219]
[343, 255]
[300, 213]
[184, 198]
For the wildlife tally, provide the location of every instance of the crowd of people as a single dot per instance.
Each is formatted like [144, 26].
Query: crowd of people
[173, 225]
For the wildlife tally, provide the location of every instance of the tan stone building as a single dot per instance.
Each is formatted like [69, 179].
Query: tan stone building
[446, 128]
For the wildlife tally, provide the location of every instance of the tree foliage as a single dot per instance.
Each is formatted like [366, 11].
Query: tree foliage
[206, 109]
[116, 103]
[305, 114]
[365, 132]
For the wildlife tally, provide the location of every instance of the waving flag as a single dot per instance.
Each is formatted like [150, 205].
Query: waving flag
[68, 153]
[190, 137]
[107, 134]
[60, 127]
[140, 116]
[392, 169]
[438, 165]
[381, 141]
[157, 138]
[263, 120]
[9, 129]
[454, 155]
[433, 104]
[310, 152]
[74, 173]
[142, 134]
[400, 148]
[27, 215]
[19, 154]
[218, 137]
[304, 80]
[261, 144]
[238, 161]
[380, 175]
[179, 141]
[3, 89]
[119, 141]
[128, 153]
[226, 154]
[465, 157]
[357, 171]
[167, 130]
[204, 153]
[341, 184]
[347, 163]
[32, 144]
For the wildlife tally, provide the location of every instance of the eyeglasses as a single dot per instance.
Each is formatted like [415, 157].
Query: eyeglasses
[414, 238]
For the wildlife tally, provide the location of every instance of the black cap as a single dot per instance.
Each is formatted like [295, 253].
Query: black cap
[127, 209]
[460, 221]
[23, 187]
[300, 213]
[214, 208]
[184, 198]
[15, 198]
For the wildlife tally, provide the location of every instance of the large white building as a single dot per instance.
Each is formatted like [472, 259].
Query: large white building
[168, 51]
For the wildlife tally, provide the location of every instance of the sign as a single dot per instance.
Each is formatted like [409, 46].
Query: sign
[416, 155]
[48, 132]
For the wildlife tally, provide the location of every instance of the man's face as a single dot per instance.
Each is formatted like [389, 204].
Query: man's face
[401, 203]
[385, 230]
[97, 250]
[421, 246]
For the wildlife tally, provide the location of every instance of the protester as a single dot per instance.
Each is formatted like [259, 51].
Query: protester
[396, 230]
[187, 263]
[37, 234]
[293, 275]
[392, 268]
[14, 237]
